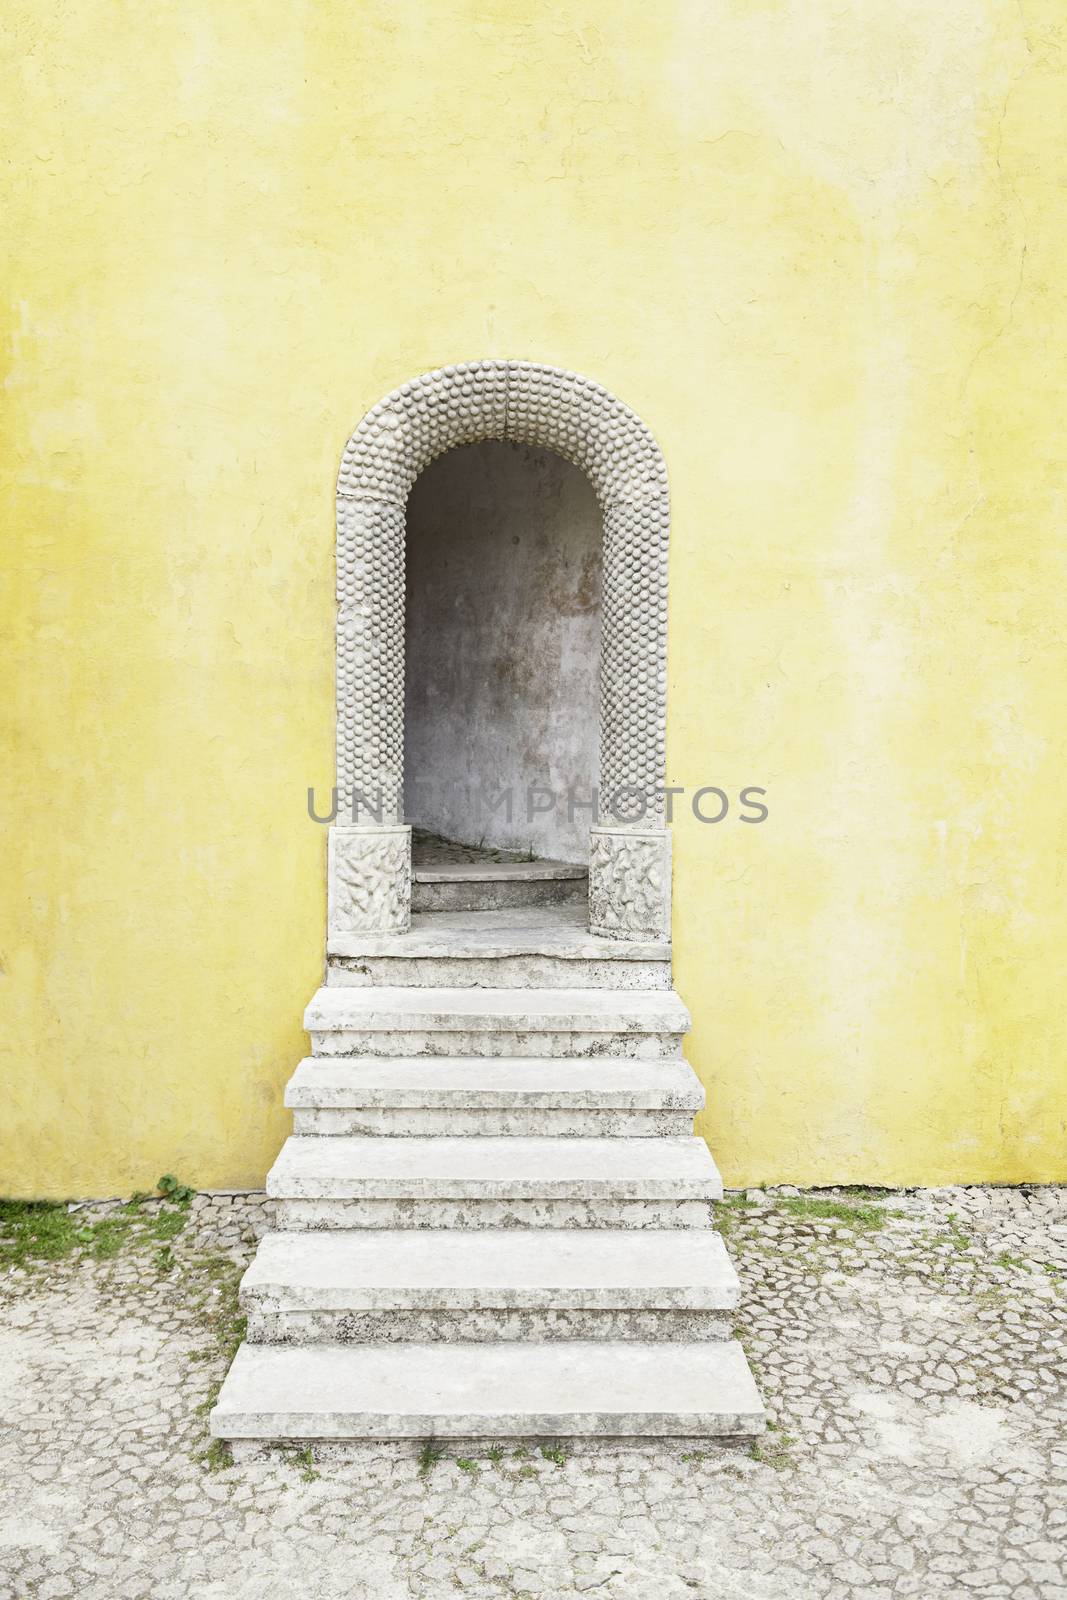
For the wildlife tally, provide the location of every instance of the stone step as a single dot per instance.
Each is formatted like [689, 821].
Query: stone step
[346, 1182]
[389, 1286]
[405, 1096]
[540, 947]
[563, 1389]
[498, 1022]
[496, 885]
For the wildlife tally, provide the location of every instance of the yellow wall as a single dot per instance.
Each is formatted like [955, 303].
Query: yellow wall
[819, 248]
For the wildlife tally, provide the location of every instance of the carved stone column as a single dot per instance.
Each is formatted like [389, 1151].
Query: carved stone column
[630, 883]
[370, 879]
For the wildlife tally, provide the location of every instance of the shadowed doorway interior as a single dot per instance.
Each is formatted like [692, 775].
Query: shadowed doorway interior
[502, 652]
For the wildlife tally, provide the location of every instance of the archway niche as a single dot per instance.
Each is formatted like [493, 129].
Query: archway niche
[502, 651]
[546, 409]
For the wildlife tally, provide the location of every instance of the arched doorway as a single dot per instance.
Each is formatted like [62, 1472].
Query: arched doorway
[558, 411]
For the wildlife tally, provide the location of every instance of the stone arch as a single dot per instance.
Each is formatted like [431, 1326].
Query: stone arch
[556, 410]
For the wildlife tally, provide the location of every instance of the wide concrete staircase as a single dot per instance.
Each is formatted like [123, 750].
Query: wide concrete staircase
[494, 1218]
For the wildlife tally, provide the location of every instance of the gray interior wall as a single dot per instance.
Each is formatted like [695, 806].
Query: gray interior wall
[502, 645]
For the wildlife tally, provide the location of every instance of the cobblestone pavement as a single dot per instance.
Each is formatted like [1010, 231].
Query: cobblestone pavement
[914, 1371]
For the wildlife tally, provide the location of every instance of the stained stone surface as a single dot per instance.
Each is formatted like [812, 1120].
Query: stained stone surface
[469, 1083]
[519, 1213]
[916, 1374]
[512, 887]
[491, 1010]
[561, 931]
[468, 1096]
[500, 872]
[431, 850]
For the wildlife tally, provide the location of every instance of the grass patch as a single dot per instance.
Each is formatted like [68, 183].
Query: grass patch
[36, 1230]
[33, 1232]
[1021, 1263]
[305, 1460]
[465, 1464]
[168, 1224]
[429, 1456]
[214, 1282]
[851, 1214]
[775, 1449]
[217, 1456]
[956, 1236]
[221, 1311]
[107, 1237]
[729, 1210]
[554, 1452]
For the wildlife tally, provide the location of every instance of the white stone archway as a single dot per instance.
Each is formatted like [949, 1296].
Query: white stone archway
[370, 862]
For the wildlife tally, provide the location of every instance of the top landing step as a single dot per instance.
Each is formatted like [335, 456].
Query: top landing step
[557, 931]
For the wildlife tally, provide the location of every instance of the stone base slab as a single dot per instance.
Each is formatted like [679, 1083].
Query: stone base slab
[487, 1391]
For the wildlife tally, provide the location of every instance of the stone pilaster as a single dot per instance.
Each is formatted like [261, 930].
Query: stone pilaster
[370, 879]
[630, 883]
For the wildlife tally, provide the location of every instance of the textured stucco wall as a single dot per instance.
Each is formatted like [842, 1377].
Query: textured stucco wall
[502, 649]
[819, 249]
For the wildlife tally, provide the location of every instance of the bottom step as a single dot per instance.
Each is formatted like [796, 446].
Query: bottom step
[283, 1394]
